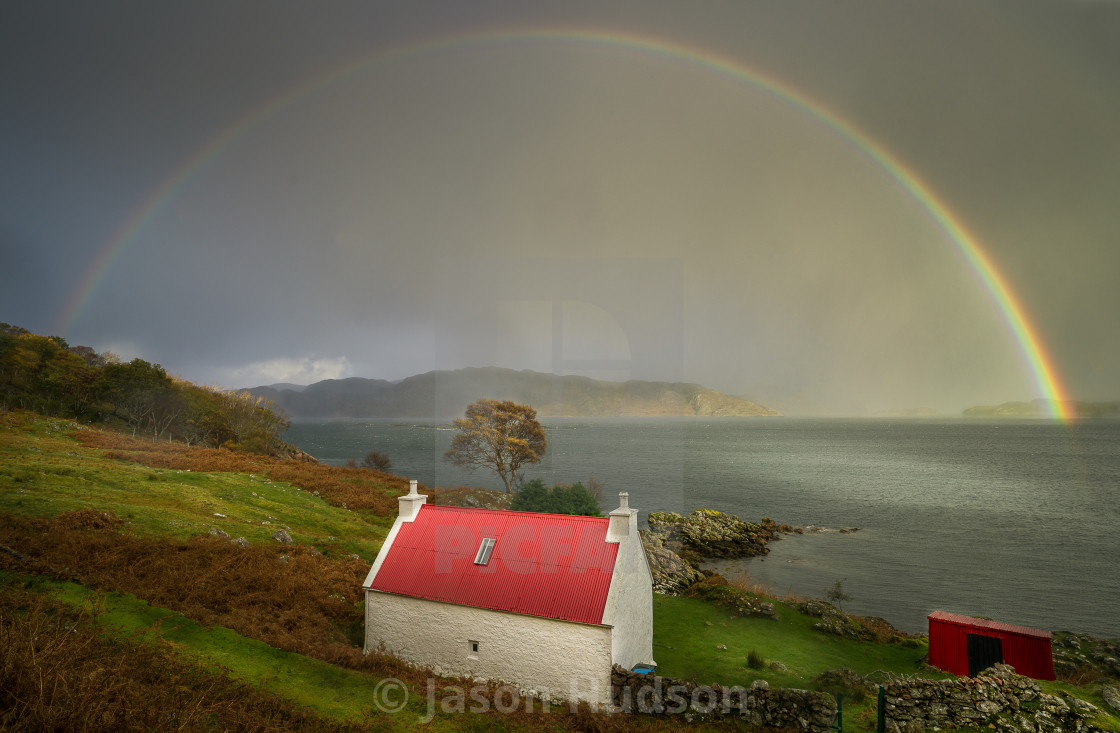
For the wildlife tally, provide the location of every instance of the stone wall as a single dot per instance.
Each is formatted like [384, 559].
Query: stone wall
[997, 698]
[758, 704]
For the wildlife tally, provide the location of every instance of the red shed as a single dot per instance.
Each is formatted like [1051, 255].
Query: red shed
[964, 645]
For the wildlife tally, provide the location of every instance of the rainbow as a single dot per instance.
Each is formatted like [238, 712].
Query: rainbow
[1041, 365]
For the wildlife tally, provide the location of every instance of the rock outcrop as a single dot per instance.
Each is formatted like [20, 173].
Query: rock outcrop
[714, 589]
[708, 533]
[1087, 655]
[833, 621]
[671, 574]
[675, 545]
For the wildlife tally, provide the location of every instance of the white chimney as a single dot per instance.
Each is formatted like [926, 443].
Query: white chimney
[623, 521]
[410, 503]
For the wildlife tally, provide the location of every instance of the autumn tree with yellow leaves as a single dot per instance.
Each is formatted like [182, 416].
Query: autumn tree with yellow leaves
[500, 435]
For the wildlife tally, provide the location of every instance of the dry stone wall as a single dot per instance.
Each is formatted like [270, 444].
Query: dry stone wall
[998, 698]
[759, 704]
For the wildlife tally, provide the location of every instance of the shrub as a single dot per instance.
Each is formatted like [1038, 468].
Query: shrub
[377, 460]
[755, 660]
[743, 581]
[836, 594]
[534, 496]
[844, 682]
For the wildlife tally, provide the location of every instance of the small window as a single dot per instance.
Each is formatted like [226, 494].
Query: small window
[484, 551]
[474, 647]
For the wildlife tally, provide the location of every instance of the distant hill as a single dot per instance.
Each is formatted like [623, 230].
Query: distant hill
[288, 386]
[1042, 407]
[447, 394]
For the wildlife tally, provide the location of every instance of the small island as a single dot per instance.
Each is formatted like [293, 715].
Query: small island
[1045, 408]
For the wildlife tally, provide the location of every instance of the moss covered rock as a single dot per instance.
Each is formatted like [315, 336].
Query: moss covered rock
[709, 533]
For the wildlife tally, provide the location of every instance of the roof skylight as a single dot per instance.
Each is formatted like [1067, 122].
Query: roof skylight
[484, 550]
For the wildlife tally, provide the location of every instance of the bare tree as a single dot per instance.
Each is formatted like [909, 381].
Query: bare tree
[377, 461]
[837, 595]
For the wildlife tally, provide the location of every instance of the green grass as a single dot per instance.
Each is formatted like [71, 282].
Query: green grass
[687, 633]
[44, 472]
[331, 691]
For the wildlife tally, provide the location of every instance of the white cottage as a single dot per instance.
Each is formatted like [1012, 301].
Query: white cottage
[546, 602]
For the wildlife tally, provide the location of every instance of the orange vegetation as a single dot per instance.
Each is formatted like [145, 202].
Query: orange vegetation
[58, 673]
[350, 488]
[305, 603]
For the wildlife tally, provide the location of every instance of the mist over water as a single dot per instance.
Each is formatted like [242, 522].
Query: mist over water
[1012, 519]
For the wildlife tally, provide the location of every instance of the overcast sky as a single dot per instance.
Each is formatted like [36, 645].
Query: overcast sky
[260, 192]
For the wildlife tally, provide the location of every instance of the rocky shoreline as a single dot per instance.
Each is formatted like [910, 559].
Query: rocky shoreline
[997, 699]
[676, 545]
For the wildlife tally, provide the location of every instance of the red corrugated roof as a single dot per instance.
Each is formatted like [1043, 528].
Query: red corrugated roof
[552, 565]
[986, 624]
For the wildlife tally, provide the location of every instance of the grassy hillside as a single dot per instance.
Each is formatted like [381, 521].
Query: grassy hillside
[48, 472]
[107, 536]
[112, 558]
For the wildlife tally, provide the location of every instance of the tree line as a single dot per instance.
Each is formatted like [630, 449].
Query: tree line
[47, 375]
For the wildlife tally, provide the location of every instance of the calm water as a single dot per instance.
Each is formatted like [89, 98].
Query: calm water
[1018, 520]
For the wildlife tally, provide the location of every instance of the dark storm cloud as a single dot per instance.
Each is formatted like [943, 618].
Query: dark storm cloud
[449, 208]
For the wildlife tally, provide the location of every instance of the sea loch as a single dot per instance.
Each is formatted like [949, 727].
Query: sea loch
[1016, 519]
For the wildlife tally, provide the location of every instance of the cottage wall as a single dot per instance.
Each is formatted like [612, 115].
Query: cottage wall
[540, 656]
[629, 607]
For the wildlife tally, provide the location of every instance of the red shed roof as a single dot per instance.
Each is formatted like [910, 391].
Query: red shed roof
[551, 565]
[983, 623]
